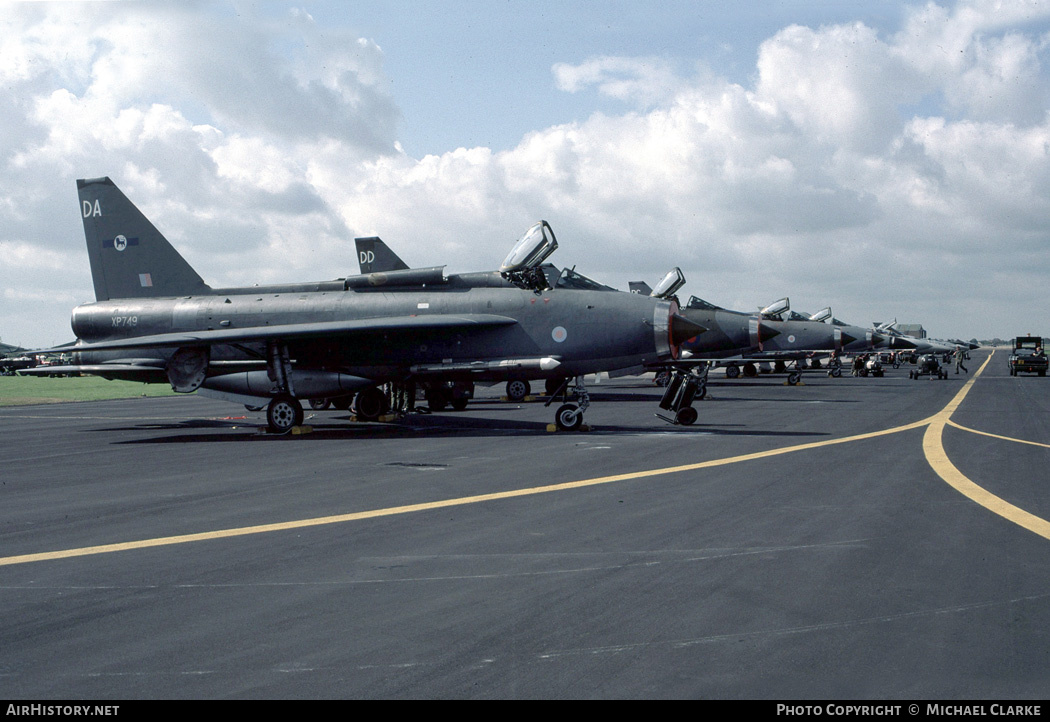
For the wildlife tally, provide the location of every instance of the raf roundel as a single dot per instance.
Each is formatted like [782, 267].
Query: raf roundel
[559, 334]
[120, 243]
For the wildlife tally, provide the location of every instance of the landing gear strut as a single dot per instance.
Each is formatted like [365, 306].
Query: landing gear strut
[284, 410]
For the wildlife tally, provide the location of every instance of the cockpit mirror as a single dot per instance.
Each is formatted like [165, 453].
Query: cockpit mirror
[776, 308]
[670, 283]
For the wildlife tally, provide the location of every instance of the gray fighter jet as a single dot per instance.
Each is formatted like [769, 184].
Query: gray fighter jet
[774, 335]
[156, 320]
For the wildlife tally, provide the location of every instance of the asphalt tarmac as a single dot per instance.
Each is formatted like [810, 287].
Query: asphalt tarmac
[850, 538]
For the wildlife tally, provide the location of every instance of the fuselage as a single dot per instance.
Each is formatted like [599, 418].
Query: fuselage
[582, 331]
[732, 333]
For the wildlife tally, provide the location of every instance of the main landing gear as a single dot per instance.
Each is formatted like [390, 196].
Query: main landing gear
[683, 388]
[284, 412]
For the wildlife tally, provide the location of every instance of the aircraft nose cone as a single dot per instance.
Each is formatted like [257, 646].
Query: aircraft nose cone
[766, 332]
[682, 329]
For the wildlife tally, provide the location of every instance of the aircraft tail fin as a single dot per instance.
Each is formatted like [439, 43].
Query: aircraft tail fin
[129, 257]
[376, 257]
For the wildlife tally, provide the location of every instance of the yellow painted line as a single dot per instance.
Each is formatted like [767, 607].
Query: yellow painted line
[932, 447]
[428, 506]
[997, 436]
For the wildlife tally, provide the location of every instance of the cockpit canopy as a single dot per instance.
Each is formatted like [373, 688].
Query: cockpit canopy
[703, 305]
[522, 266]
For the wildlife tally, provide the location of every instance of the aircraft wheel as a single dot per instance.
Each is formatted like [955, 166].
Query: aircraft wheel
[750, 370]
[253, 408]
[460, 403]
[568, 417]
[320, 404]
[701, 390]
[686, 416]
[732, 371]
[437, 399]
[370, 404]
[283, 413]
[662, 378]
[518, 389]
[794, 378]
[836, 372]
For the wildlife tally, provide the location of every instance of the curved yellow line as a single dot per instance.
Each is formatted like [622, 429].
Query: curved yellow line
[426, 506]
[932, 446]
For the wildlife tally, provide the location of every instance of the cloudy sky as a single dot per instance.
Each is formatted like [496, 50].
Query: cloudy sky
[889, 159]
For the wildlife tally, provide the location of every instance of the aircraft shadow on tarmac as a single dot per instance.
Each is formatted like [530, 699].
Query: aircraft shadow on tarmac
[336, 428]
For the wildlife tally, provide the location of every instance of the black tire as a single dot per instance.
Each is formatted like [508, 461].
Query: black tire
[686, 416]
[370, 403]
[320, 404]
[459, 403]
[254, 408]
[568, 417]
[750, 370]
[701, 390]
[283, 413]
[794, 378]
[836, 372]
[518, 389]
[437, 399]
[732, 371]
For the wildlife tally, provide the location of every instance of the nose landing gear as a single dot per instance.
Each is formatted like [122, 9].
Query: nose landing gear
[569, 417]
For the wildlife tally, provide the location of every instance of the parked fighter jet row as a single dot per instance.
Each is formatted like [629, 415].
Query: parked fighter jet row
[380, 336]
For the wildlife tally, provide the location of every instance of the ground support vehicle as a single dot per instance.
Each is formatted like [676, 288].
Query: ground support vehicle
[928, 365]
[1028, 356]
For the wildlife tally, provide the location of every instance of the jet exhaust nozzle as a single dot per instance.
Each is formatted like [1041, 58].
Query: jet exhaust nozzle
[682, 329]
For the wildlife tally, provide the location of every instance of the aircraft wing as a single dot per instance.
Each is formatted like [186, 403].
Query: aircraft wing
[784, 355]
[286, 332]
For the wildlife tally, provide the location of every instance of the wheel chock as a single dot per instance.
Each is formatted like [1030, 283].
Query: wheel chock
[553, 428]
